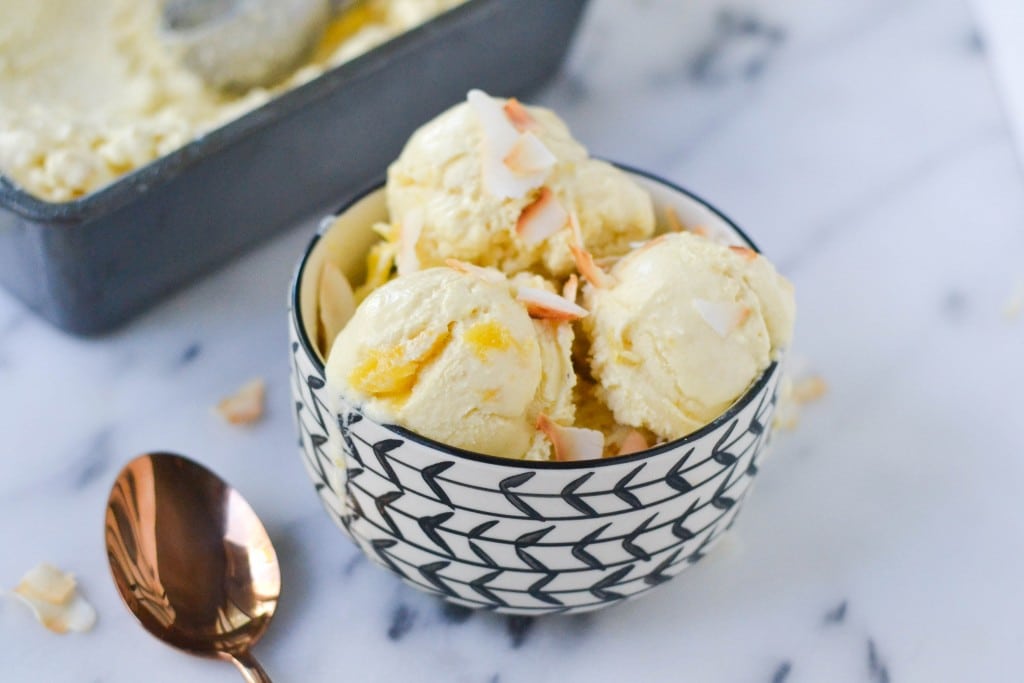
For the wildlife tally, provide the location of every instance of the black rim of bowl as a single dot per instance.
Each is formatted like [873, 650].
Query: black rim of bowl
[731, 412]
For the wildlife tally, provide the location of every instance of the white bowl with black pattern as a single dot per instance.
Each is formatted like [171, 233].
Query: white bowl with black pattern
[508, 535]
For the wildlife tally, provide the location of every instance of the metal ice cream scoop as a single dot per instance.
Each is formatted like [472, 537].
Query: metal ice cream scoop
[235, 45]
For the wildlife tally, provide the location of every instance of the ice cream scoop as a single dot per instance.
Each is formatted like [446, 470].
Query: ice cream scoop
[454, 354]
[679, 329]
[238, 44]
[495, 182]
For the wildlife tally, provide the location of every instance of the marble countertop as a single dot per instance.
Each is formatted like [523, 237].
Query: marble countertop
[863, 145]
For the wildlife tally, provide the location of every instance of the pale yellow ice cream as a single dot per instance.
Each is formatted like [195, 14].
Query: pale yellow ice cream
[456, 358]
[558, 376]
[592, 413]
[88, 91]
[440, 175]
[685, 326]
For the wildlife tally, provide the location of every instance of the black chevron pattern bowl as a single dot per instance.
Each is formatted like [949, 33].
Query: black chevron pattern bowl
[513, 536]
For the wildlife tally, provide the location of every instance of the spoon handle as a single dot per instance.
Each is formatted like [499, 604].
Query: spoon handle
[250, 668]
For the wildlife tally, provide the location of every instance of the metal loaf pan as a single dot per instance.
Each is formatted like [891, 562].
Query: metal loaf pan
[90, 264]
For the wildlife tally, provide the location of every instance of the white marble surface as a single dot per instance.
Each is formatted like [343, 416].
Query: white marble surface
[862, 144]
[1002, 24]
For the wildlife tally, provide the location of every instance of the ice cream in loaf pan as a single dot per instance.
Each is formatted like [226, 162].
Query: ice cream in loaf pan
[88, 92]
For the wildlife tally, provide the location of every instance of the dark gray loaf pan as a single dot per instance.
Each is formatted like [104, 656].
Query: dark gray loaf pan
[90, 264]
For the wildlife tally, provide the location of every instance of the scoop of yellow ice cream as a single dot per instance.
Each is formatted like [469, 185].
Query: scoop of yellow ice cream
[441, 177]
[685, 326]
[454, 357]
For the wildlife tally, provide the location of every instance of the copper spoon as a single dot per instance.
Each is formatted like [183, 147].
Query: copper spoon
[191, 559]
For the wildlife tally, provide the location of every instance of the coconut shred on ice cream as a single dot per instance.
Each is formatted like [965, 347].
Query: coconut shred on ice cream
[520, 305]
[88, 92]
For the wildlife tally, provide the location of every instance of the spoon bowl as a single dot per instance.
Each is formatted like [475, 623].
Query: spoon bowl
[191, 559]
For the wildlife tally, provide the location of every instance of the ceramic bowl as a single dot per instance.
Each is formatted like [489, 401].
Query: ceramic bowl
[508, 535]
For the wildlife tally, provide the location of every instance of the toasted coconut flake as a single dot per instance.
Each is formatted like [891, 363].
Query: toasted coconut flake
[529, 156]
[245, 406]
[547, 305]
[571, 287]
[387, 231]
[499, 138]
[722, 317]
[634, 442]
[647, 244]
[675, 224]
[542, 218]
[700, 231]
[409, 235]
[47, 583]
[584, 260]
[78, 615]
[745, 253]
[576, 233]
[809, 389]
[488, 274]
[518, 116]
[794, 395]
[51, 595]
[337, 303]
[571, 443]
